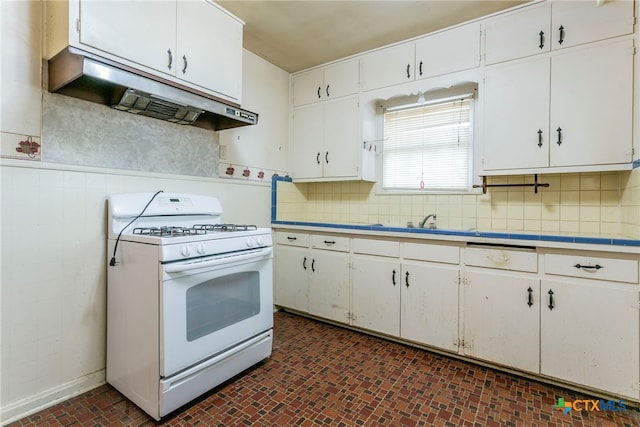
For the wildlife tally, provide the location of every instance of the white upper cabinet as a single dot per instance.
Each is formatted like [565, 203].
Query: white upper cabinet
[124, 30]
[555, 25]
[388, 67]
[209, 48]
[587, 130]
[327, 142]
[333, 81]
[449, 51]
[195, 43]
[578, 22]
[518, 34]
[552, 111]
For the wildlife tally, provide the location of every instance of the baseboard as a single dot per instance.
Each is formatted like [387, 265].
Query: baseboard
[32, 404]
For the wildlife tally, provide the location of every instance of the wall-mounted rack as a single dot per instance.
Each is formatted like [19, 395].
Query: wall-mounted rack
[535, 185]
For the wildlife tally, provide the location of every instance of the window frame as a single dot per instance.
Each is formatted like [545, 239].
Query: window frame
[465, 91]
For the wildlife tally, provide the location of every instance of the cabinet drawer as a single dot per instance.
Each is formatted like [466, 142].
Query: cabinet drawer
[376, 247]
[504, 258]
[332, 243]
[292, 238]
[429, 252]
[592, 267]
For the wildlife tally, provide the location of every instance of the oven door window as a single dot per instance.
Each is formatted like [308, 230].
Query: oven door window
[217, 303]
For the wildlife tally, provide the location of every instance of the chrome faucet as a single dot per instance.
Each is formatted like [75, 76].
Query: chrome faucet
[424, 221]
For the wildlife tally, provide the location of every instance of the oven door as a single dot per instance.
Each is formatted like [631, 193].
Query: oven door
[213, 304]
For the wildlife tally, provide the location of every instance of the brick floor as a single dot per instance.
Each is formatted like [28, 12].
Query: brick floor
[324, 375]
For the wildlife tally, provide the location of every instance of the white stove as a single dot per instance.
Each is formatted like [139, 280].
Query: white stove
[189, 298]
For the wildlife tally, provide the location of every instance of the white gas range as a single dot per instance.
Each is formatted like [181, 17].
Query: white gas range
[189, 299]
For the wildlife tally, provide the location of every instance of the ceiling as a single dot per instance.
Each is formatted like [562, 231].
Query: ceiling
[295, 35]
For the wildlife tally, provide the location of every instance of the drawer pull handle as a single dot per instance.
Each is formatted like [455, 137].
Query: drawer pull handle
[551, 304]
[530, 297]
[291, 239]
[393, 278]
[589, 267]
[304, 263]
[329, 242]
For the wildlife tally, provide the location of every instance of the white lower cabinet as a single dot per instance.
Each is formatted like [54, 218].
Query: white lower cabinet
[429, 305]
[329, 285]
[567, 315]
[590, 321]
[376, 294]
[292, 278]
[589, 335]
[502, 318]
[291, 272]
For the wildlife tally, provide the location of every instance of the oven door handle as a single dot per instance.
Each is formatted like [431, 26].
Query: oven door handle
[178, 268]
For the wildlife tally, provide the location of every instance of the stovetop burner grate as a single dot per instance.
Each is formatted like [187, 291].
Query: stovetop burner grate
[225, 227]
[168, 231]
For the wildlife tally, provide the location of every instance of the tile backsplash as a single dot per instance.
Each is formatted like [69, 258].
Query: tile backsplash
[593, 204]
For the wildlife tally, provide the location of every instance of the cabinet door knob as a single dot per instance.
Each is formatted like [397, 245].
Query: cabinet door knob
[170, 59]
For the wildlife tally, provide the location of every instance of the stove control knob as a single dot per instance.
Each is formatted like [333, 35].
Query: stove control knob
[185, 250]
[260, 240]
[200, 248]
[250, 242]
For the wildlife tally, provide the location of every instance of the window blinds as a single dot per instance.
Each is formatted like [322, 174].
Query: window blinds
[428, 147]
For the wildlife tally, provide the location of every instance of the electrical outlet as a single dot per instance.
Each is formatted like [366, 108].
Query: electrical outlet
[223, 152]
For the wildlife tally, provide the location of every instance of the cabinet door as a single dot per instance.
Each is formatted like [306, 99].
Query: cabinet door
[518, 34]
[388, 67]
[591, 335]
[499, 324]
[429, 305]
[517, 115]
[209, 48]
[376, 294]
[329, 285]
[449, 51]
[342, 145]
[291, 285]
[308, 141]
[586, 84]
[342, 79]
[308, 87]
[589, 21]
[123, 28]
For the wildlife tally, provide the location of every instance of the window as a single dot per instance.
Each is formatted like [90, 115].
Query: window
[427, 145]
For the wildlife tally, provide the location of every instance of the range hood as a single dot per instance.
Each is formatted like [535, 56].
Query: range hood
[80, 74]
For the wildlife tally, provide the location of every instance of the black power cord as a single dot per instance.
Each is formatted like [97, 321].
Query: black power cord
[115, 248]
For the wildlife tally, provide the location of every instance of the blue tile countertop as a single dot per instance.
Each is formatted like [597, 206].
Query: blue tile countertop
[467, 235]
